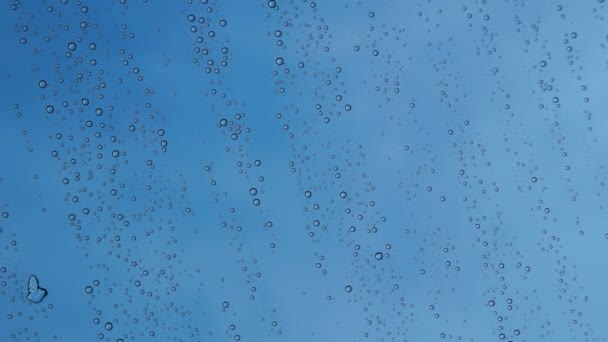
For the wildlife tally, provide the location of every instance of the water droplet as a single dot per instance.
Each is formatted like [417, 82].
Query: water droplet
[35, 293]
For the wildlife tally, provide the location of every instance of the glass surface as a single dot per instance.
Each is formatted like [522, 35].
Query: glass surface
[292, 170]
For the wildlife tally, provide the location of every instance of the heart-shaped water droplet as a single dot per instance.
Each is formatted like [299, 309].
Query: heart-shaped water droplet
[35, 293]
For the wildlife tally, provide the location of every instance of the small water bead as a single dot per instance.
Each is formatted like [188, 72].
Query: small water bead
[108, 326]
[379, 256]
[42, 84]
[348, 288]
[280, 61]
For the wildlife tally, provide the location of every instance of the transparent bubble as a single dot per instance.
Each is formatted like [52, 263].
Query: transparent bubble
[348, 288]
[71, 46]
[379, 256]
[42, 84]
[280, 61]
[108, 326]
[50, 109]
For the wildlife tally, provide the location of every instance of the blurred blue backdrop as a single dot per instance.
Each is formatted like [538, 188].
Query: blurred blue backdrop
[294, 170]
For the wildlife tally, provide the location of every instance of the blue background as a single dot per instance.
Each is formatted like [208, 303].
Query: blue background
[303, 171]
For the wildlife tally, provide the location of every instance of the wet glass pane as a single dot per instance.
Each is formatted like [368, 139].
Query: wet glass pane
[299, 170]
